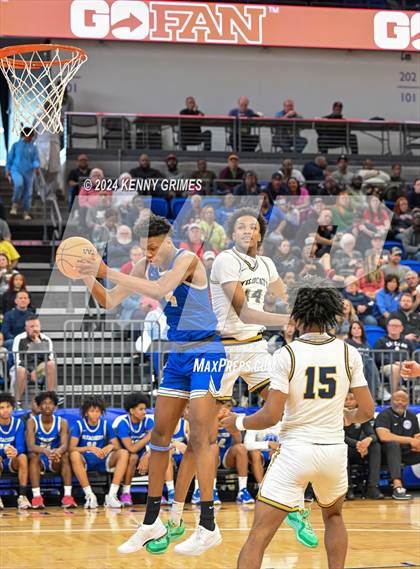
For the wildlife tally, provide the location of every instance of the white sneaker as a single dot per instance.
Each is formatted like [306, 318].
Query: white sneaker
[1, 504]
[201, 540]
[91, 502]
[142, 536]
[112, 502]
[23, 503]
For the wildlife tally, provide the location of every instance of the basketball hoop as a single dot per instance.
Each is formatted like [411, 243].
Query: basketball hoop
[37, 76]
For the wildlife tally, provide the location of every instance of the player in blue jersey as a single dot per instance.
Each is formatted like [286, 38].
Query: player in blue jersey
[133, 431]
[12, 448]
[94, 446]
[192, 373]
[47, 439]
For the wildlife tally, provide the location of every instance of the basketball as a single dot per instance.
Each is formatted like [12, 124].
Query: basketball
[70, 251]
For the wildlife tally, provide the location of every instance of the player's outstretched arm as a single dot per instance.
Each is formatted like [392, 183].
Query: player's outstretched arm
[265, 418]
[410, 369]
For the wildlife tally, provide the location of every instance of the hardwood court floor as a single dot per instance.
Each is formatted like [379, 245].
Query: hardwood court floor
[381, 535]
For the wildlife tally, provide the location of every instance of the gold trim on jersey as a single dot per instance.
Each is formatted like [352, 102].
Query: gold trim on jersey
[247, 263]
[234, 341]
[317, 343]
[346, 361]
[278, 505]
[332, 503]
[292, 357]
[261, 385]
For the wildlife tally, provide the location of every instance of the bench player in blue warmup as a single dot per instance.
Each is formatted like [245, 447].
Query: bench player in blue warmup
[12, 448]
[47, 439]
[192, 373]
[94, 446]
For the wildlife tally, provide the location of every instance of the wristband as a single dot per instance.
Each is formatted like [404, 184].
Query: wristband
[239, 422]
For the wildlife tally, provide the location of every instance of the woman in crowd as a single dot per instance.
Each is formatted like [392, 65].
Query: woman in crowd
[16, 284]
[6, 272]
[371, 278]
[345, 322]
[300, 194]
[357, 338]
[402, 218]
[387, 299]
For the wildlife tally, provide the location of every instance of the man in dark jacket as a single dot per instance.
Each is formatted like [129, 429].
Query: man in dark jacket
[410, 318]
[362, 304]
[14, 320]
[144, 170]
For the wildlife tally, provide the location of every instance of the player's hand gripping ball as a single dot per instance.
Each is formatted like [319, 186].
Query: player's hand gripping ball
[74, 251]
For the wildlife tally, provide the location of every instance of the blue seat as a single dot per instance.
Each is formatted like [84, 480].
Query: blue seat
[373, 334]
[176, 205]
[414, 265]
[390, 204]
[390, 244]
[159, 206]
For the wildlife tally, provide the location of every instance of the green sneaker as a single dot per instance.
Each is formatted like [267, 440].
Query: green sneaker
[305, 534]
[157, 546]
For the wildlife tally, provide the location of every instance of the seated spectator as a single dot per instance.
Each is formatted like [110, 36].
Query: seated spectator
[29, 365]
[315, 171]
[288, 137]
[377, 242]
[372, 176]
[119, 247]
[328, 187]
[88, 199]
[344, 322]
[212, 232]
[123, 195]
[394, 267]
[398, 431]
[231, 174]
[360, 301]
[393, 342]
[300, 198]
[8, 249]
[414, 194]
[310, 265]
[190, 212]
[335, 136]
[208, 259]
[249, 186]
[207, 176]
[363, 446]
[227, 209]
[130, 211]
[289, 223]
[397, 187]
[289, 279]
[387, 299]
[356, 192]
[411, 284]
[107, 230]
[371, 278]
[136, 254]
[194, 241]
[14, 319]
[16, 284]
[402, 218]
[273, 215]
[6, 273]
[247, 142]
[172, 171]
[276, 187]
[287, 170]
[347, 259]
[95, 215]
[325, 233]
[409, 317]
[285, 258]
[411, 238]
[144, 170]
[5, 230]
[190, 132]
[376, 216]
[343, 176]
[76, 178]
[343, 212]
[357, 338]
[272, 304]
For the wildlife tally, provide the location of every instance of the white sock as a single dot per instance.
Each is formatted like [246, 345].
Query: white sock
[88, 491]
[215, 484]
[113, 490]
[243, 481]
[67, 490]
[169, 485]
[195, 484]
[176, 512]
[36, 492]
[126, 489]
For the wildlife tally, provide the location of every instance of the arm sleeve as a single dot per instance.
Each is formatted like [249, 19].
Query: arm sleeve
[20, 438]
[282, 367]
[356, 368]
[383, 420]
[350, 442]
[368, 431]
[252, 444]
[225, 270]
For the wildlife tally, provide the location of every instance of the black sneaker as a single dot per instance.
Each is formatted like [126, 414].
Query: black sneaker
[373, 493]
[401, 494]
[350, 494]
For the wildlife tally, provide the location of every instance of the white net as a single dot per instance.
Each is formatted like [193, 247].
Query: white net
[37, 77]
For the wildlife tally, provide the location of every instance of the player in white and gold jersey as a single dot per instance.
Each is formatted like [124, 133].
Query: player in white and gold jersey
[310, 380]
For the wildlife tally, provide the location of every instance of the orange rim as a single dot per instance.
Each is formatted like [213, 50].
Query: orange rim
[6, 54]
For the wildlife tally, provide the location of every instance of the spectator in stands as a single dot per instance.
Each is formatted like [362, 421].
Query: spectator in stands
[16, 284]
[130, 211]
[14, 320]
[285, 258]
[411, 238]
[372, 176]
[311, 265]
[360, 301]
[316, 170]
[5, 230]
[123, 195]
[376, 216]
[96, 213]
[172, 171]
[136, 254]
[8, 249]
[289, 223]
[347, 259]
[300, 199]
[357, 338]
[377, 242]
[194, 241]
[190, 132]
[328, 187]
[345, 321]
[398, 430]
[103, 233]
[402, 218]
[6, 272]
[29, 365]
[212, 232]
[207, 176]
[248, 141]
[288, 170]
[414, 194]
[371, 278]
[190, 212]
[21, 166]
[387, 300]
[412, 285]
[362, 445]
[394, 267]
[343, 212]
[144, 170]
[249, 186]
[397, 186]
[355, 189]
[227, 209]
[288, 137]
[208, 259]
[409, 317]
[343, 176]
[333, 137]
[393, 343]
[276, 187]
[91, 198]
[273, 215]
[119, 247]
[76, 178]
[232, 173]
[325, 233]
